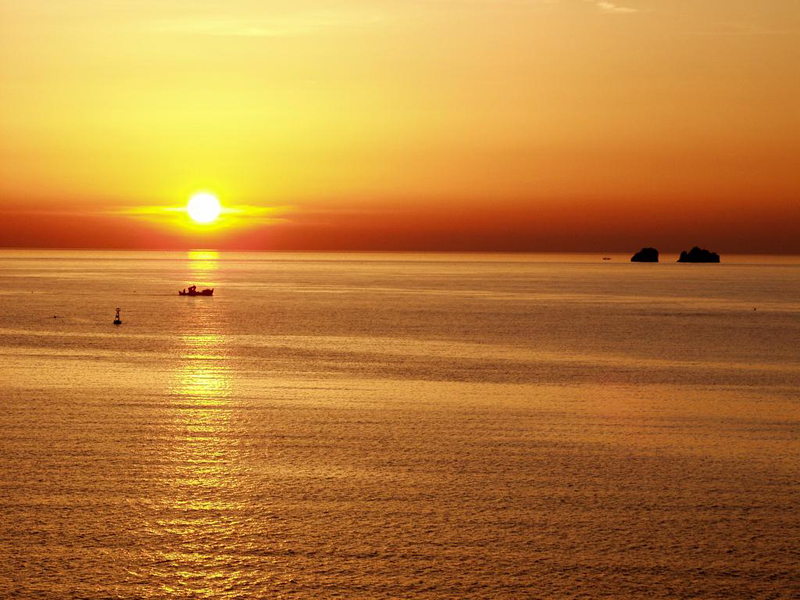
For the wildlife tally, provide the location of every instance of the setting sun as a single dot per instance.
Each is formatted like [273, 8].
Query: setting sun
[204, 208]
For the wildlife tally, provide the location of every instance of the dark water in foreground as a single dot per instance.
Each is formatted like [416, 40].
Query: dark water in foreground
[398, 426]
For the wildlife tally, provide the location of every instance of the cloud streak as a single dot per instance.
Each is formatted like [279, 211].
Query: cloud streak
[613, 9]
[231, 216]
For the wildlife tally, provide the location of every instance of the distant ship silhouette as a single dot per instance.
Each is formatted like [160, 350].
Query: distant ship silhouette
[192, 291]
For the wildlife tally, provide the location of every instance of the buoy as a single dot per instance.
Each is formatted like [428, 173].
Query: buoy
[117, 320]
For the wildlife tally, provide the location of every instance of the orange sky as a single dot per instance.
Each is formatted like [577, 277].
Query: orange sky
[403, 125]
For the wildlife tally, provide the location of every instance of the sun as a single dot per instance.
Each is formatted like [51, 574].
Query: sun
[204, 208]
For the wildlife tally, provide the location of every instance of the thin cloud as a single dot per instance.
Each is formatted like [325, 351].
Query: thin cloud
[241, 215]
[613, 9]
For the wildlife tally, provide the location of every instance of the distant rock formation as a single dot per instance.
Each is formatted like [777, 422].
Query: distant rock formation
[645, 255]
[698, 255]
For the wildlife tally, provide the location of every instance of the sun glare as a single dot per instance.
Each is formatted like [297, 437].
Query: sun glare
[204, 208]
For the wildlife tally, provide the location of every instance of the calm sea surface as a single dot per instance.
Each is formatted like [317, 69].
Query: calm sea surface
[398, 426]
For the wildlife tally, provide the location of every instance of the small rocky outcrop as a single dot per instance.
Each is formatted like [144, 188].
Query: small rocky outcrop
[645, 255]
[699, 255]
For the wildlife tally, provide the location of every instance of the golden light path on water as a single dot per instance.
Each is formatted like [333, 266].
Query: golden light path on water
[203, 264]
[203, 489]
[203, 456]
[203, 377]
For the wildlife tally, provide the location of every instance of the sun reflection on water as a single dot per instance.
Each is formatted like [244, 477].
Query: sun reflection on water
[202, 460]
[203, 258]
[203, 376]
[203, 267]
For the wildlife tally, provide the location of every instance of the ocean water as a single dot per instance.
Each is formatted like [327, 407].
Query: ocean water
[398, 426]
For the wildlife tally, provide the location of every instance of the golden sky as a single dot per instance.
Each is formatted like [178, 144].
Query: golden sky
[403, 124]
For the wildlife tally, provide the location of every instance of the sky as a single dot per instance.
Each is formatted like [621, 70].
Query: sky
[459, 125]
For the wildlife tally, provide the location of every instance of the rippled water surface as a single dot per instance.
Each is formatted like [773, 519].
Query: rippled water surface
[398, 426]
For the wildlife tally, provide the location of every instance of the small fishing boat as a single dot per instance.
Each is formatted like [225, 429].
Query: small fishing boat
[193, 291]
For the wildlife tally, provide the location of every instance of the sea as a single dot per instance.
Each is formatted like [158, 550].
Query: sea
[369, 426]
